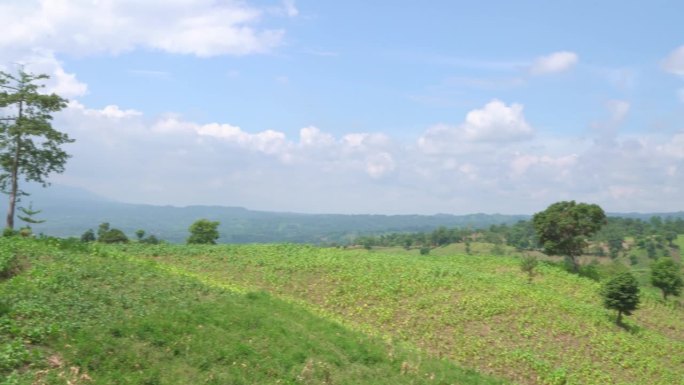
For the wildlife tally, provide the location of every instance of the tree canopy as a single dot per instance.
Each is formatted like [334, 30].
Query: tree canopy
[621, 293]
[203, 231]
[666, 277]
[563, 228]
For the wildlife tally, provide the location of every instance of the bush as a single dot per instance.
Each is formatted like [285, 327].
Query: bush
[113, 236]
[424, 250]
[528, 264]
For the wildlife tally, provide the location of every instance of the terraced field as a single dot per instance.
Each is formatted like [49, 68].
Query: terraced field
[476, 311]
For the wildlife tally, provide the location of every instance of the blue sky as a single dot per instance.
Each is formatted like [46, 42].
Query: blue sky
[365, 107]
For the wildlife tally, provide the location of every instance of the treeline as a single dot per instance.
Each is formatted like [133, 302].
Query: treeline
[654, 236]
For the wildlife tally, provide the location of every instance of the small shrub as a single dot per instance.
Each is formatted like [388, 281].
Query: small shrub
[528, 264]
[7, 232]
[424, 250]
[633, 259]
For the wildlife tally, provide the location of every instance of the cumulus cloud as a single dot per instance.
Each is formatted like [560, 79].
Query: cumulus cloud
[173, 160]
[379, 164]
[496, 122]
[554, 63]
[674, 62]
[61, 82]
[110, 111]
[202, 28]
[313, 137]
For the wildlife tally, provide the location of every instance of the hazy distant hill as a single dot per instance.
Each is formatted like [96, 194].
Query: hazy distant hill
[71, 211]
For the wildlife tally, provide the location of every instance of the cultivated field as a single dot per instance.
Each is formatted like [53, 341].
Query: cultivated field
[477, 311]
[278, 314]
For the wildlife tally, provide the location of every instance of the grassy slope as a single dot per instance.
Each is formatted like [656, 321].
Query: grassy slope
[477, 311]
[99, 317]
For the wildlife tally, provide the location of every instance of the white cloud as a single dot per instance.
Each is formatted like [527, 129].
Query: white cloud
[171, 160]
[313, 137]
[44, 62]
[364, 141]
[618, 109]
[559, 165]
[554, 63]
[110, 111]
[675, 147]
[674, 62]
[494, 123]
[202, 28]
[66, 84]
[379, 164]
[290, 8]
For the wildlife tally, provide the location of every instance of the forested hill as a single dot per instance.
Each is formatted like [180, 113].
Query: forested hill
[70, 212]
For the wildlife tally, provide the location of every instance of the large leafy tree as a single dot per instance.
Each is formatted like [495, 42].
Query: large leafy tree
[621, 293]
[29, 146]
[203, 231]
[666, 277]
[563, 228]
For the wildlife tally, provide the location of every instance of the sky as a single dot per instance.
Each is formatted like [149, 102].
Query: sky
[383, 107]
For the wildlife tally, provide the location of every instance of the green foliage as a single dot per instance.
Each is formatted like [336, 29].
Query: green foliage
[88, 236]
[666, 276]
[203, 231]
[106, 234]
[103, 317]
[8, 262]
[150, 240]
[29, 214]
[424, 250]
[621, 293]
[29, 146]
[563, 228]
[113, 236]
[478, 311]
[8, 232]
[140, 234]
[528, 264]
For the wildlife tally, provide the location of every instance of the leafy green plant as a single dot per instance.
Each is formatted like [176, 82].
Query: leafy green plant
[666, 276]
[528, 264]
[203, 231]
[621, 293]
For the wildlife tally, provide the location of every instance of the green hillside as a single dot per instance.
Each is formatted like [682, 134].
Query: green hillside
[291, 314]
[477, 311]
[76, 314]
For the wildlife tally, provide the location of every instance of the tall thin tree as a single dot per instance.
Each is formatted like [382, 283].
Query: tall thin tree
[29, 146]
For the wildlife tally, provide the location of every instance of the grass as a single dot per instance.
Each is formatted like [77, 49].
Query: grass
[94, 315]
[476, 311]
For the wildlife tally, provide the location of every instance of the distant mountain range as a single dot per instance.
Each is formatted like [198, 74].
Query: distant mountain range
[71, 211]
